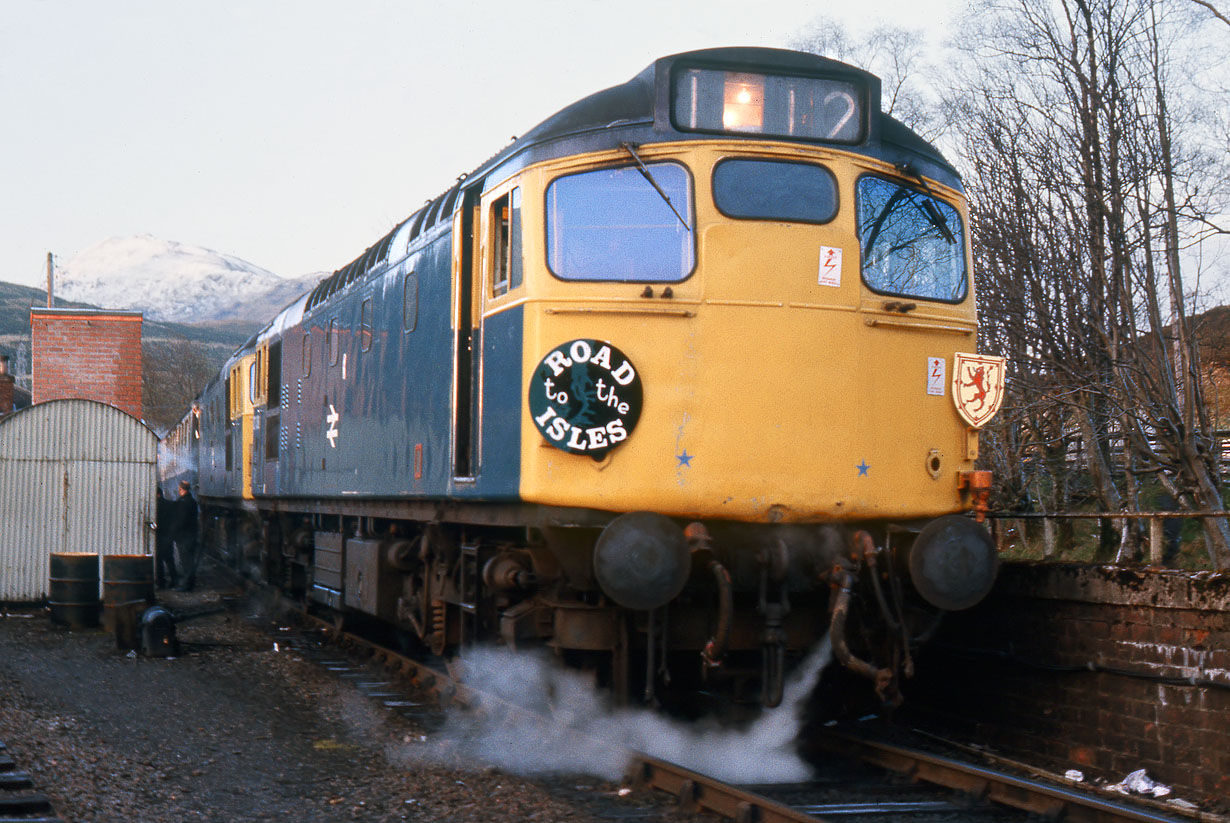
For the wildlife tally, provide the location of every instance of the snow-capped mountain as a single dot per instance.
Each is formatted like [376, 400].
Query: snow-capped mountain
[176, 282]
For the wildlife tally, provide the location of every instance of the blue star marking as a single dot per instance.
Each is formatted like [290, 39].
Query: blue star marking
[685, 459]
[862, 468]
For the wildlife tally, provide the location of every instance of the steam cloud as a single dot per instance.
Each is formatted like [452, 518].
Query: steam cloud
[175, 466]
[587, 736]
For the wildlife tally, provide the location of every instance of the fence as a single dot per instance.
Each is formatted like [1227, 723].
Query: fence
[1075, 456]
[1001, 525]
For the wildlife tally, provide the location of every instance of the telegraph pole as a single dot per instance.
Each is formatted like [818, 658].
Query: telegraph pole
[50, 281]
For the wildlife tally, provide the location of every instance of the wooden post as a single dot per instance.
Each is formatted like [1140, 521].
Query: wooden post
[1000, 531]
[1155, 540]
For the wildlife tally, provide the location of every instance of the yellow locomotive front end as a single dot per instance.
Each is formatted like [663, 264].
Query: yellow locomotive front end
[792, 367]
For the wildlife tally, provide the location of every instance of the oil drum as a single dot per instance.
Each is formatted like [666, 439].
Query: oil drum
[128, 587]
[73, 590]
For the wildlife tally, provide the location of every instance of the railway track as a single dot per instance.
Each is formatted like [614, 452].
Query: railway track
[1044, 798]
[19, 802]
[861, 779]
[919, 786]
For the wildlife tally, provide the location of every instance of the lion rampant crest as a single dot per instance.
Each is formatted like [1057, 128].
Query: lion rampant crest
[977, 386]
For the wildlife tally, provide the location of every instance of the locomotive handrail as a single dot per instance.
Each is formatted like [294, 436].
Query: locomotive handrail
[822, 306]
[1104, 515]
[758, 304]
[886, 315]
[620, 310]
[918, 323]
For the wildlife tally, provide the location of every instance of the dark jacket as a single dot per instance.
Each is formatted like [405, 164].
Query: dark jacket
[186, 515]
[166, 515]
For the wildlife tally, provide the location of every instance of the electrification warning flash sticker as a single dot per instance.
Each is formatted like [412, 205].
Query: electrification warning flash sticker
[585, 397]
[936, 375]
[830, 266]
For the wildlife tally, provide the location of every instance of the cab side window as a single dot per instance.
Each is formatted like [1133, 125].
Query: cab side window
[365, 325]
[410, 302]
[506, 268]
[333, 346]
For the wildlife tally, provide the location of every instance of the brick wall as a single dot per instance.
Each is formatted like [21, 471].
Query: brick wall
[87, 353]
[7, 386]
[1099, 669]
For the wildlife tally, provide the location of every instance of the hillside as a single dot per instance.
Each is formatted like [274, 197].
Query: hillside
[199, 306]
[174, 282]
[16, 300]
[185, 292]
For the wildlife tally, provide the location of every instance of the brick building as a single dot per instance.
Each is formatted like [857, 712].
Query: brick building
[92, 354]
[8, 387]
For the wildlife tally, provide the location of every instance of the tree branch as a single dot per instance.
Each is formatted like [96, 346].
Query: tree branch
[1214, 10]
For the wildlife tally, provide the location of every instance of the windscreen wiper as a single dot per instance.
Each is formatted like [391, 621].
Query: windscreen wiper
[934, 216]
[877, 225]
[640, 164]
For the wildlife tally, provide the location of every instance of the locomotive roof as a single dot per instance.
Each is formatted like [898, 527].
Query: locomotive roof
[638, 112]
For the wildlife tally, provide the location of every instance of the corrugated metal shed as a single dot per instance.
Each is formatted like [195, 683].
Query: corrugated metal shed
[75, 476]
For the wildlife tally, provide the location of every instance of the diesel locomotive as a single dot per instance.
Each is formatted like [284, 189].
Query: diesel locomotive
[675, 384]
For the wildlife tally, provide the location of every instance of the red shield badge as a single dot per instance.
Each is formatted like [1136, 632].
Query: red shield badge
[977, 386]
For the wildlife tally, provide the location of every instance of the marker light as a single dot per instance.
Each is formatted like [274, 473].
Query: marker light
[744, 102]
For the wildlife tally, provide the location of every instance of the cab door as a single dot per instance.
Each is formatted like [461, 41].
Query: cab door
[487, 301]
[503, 295]
[269, 446]
[239, 427]
[256, 394]
[265, 395]
[467, 341]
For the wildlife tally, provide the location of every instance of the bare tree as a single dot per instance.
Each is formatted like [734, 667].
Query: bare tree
[175, 370]
[1084, 187]
[1216, 13]
[894, 54]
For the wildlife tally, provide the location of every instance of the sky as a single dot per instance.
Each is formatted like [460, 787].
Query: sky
[294, 133]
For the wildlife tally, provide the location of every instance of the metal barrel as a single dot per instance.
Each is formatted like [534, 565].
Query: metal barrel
[128, 587]
[73, 593]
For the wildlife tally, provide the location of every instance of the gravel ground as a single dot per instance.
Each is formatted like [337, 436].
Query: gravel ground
[233, 730]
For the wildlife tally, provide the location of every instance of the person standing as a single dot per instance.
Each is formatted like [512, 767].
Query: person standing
[165, 512]
[186, 523]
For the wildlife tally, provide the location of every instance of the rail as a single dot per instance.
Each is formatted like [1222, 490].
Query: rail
[1048, 801]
